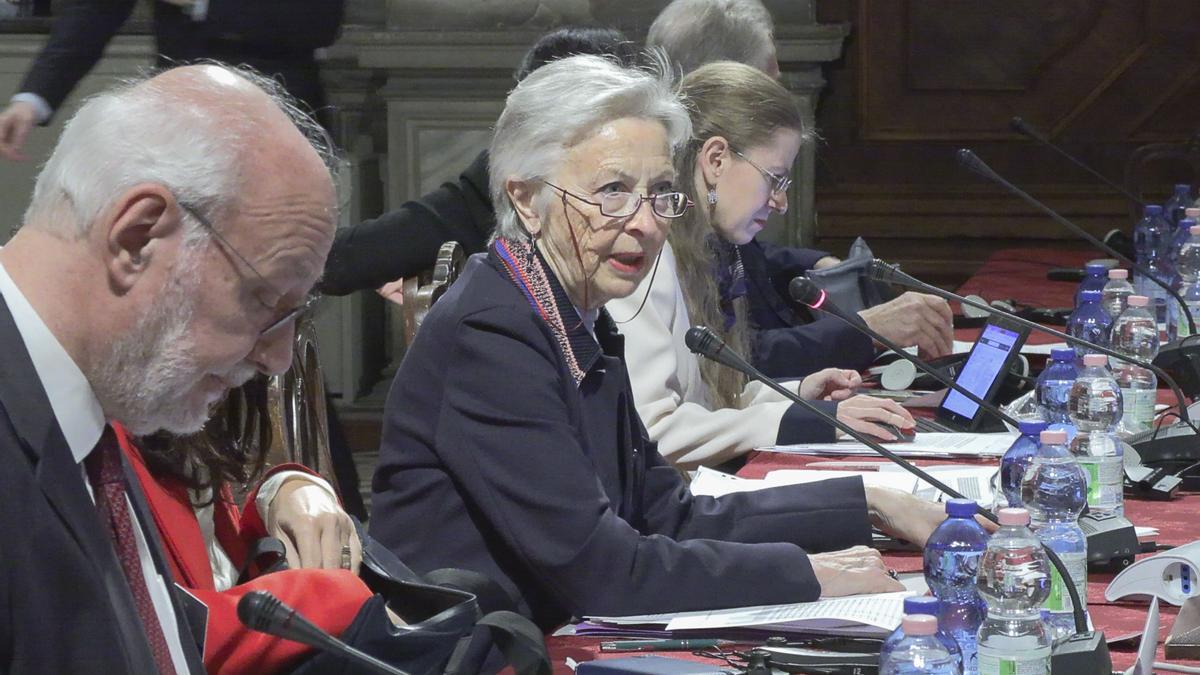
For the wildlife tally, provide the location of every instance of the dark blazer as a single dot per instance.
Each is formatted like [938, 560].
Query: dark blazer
[403, 242]
[789, 343]
[276, 37]
[515, 450]
[67, 606]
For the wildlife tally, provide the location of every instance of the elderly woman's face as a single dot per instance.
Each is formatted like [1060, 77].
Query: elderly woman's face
[597, 257]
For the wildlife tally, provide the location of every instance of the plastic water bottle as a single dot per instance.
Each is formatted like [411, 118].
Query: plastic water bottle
[1116, 292]
[1188, 268]
[921, 604]
[1014, 581]
[920, 652]
[952, 556]
[1096, 408]
[1135, 335]
[1054, 384]
[1055, 492]
[1089, 322]
[1173, 210]
[1095, 277]
[1017, 458]
[1151, 239]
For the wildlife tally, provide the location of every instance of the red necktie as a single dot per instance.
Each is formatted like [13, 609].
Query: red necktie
[108, 484]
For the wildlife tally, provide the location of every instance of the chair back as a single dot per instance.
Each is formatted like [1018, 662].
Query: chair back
[422, 291]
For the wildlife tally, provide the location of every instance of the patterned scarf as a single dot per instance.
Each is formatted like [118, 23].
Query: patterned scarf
[730, 273]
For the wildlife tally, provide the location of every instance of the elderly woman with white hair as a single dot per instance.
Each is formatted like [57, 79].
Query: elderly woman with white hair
[511, 445]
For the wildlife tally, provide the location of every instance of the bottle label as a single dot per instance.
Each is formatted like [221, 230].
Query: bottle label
[1059, 599]
[1139, 408]
[1026, 662]
[1105, 476]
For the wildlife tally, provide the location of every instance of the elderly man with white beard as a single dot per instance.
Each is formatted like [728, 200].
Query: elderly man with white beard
[173, 233]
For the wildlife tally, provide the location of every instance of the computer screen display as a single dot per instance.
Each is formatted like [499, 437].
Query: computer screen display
[983, 367]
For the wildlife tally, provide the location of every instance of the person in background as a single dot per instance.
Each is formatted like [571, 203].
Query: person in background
[379, 253]
[789, 341]
[511, 445]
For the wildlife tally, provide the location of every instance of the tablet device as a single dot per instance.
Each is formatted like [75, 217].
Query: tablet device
[999, 344]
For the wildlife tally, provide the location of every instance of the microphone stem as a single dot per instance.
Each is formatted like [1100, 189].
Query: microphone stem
[1104, 179]
[903, 279]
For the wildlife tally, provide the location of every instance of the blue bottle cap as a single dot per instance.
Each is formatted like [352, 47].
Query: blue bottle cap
[1183, 187]
[1153, 210]
[1097, 269]
[922, 604]
[1062, 354]
[1186, 223]
[1033, 427]
[1090, 294]
[961, 508]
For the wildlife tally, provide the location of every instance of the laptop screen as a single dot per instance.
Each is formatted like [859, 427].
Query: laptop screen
[986, 363]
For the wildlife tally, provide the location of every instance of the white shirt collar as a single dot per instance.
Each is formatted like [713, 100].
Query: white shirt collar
[589, 320]
[71, 397]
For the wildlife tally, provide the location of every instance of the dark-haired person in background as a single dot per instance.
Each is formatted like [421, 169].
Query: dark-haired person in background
[403, 242]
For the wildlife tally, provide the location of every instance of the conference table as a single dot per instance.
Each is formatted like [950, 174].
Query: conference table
[1012, 274]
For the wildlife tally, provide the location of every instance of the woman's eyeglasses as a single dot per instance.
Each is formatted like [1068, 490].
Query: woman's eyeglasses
[625, 204]
[779, 182]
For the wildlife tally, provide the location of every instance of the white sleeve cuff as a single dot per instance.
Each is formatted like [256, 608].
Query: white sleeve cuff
[199, 10]
[42, 109]
[270, 487]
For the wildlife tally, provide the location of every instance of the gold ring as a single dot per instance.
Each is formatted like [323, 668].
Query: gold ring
[346, 557]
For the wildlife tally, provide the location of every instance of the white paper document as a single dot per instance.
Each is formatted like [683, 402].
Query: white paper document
[962, 347]
[924, 444]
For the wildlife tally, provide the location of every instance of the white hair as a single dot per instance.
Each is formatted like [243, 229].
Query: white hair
[140, 132]
[696, 32]
[561, 104]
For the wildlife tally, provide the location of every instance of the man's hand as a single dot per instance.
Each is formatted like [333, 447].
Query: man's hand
[312, 526]
[15, 122]
[393, 291]
[862, 412]
[826, 262]
[831, 384]
[915, 319]
[852, 571]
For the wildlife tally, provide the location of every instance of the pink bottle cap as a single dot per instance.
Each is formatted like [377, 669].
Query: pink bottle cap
[919, 624]
[1137, 300]
[1094, 360]
[1195, 229]
[1054, 436]
[1013, 516]
[1117, 273]
[1191, 212]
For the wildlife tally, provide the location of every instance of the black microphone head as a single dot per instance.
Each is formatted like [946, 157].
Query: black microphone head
[1020, 126]
[256, 608]
[702, 341]
[969, 160]
[805, 292]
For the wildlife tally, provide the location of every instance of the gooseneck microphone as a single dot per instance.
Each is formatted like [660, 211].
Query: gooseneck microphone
[265, 613]
[972, 162]
[701, 340]
[882, 271]
[1026, 129]
[805, 292]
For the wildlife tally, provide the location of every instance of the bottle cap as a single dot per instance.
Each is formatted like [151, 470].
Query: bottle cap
[1137, 300]
[1062, 354]
[1192, 212]
[1153, 210]
[1183, 187]
[1187, 223]
[919, 624]
[1118, 273]
[1097, 269]
[1195, 230]
[1091, 360]
[1031, 427]
[961, 508]
[1013, 516]
[922, 604]
[1054, 436]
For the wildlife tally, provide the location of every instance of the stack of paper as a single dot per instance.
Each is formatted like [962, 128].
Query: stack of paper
[924, 444]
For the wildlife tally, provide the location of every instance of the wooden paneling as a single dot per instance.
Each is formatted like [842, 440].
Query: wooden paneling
[922, 78]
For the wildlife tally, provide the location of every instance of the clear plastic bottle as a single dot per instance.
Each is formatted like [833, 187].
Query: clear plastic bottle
[1054, 385]
[1188, 268]
[1096, 407]
[1135, 335]
[920, 652]
[1055, 492]
[1016, 459]
[1014, 581]
[1151, 239]
[1089, 322]
[1175, 207]
[1116, 292]
[952, 555]
[922, 604]
[1095, 276]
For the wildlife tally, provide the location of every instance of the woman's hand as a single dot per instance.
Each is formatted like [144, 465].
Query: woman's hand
[831, 384]
[852, 571]
[903, 515]
[314, 529]
[862, 412]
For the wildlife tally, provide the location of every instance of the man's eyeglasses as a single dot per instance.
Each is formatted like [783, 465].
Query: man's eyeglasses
[625, 204]
[310, 303]
[779, 182]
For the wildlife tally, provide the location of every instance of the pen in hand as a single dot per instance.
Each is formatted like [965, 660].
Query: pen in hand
[661, 645]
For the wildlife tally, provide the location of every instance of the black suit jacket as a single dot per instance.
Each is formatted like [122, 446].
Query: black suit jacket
[788, 342]
[403, 242]
[277, 37]
[495, 458]
[67, 606]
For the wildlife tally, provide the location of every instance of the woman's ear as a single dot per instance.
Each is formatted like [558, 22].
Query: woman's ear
[522, 194]
[713, 159]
